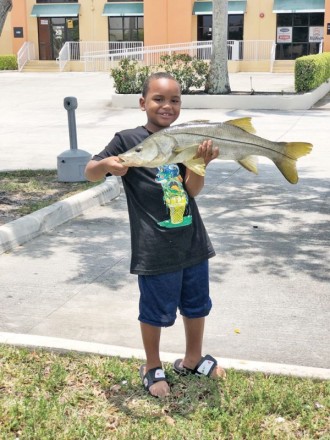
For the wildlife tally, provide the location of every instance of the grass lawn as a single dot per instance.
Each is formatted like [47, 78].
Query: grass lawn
[46, 395]
[26, 191]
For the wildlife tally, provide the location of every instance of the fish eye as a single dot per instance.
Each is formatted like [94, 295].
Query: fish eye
[138, 149]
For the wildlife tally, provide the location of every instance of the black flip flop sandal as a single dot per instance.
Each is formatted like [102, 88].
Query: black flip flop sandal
[152, 376]
[204, 367]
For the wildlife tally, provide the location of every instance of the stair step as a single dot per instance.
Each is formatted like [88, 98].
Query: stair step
[41, 66]
[283, 66]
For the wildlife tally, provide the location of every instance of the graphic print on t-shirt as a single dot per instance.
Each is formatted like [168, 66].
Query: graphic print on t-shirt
[175, 197]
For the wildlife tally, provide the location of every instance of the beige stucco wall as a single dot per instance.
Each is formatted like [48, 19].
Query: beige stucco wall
[259, 20]
[92, 25]
[326, 46]
[168, 21]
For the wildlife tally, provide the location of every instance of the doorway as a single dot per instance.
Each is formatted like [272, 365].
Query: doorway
[53, 33]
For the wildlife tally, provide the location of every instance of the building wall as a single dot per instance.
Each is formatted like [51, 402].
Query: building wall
[326, 47]
[177, 24]
[259, 20]
[165, 22]
[92, 25]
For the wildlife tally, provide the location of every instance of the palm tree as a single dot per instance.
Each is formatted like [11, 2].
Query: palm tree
[5, 7]
[218, 80]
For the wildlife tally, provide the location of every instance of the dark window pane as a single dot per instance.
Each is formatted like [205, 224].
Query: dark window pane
[235, 27]
[299, 50]
[300, 34]
[284, 19]
[283, 51]
[115, 35]
[316, 19]
[300, 19]
[115, 22]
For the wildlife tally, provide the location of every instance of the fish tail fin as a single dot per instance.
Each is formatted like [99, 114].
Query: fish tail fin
[292, 152]
[297, 149]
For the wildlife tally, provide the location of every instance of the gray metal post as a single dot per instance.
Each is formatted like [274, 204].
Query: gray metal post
[70, 104]
[71, 163]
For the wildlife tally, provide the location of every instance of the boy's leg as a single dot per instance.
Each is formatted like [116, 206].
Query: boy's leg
[194, 330]
[151, 339]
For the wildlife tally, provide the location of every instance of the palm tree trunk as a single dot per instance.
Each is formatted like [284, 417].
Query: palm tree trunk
[218, 80]
[5, 7]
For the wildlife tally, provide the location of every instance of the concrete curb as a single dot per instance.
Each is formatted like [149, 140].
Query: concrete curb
[26, 228]
[58, 344]
[263, 101]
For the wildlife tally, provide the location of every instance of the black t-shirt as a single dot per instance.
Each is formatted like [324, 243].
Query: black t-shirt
[167, 232]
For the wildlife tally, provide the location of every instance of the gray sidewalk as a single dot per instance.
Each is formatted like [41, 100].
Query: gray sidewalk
[270, 280]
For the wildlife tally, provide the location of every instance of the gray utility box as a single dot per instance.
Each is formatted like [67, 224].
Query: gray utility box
[71, 163]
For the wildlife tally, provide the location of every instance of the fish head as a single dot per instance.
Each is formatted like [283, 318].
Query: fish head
[142, 155]
[152, 152]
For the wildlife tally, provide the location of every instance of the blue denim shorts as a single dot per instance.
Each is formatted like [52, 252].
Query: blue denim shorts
[186, 290]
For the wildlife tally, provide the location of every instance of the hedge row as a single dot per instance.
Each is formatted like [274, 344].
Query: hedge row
[311, 71]
[189, 71]
[8, 62]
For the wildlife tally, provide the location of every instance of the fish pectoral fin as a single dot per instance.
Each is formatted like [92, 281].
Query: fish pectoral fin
[292, 152]
[185, 153]
[196, 165]
[250, 163]
[243, 123]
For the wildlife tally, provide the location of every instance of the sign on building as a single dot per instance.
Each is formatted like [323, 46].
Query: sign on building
[284, 34]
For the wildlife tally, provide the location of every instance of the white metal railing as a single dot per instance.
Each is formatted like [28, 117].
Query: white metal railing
[64, 55]
[25, 54]
[76, 50]
[102, 56]
[272, 57]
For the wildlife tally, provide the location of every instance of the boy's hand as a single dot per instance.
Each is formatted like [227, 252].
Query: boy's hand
[207, 151]
[114, 166]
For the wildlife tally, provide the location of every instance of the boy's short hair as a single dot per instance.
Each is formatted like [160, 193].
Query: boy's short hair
[157, 75]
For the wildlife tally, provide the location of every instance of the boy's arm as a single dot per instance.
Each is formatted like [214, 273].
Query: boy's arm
[96, 170]
[194, 183]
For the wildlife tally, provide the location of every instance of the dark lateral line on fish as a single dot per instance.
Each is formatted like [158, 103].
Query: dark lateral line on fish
[242, 143]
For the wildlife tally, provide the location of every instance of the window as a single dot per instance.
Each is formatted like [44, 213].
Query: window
[299, 27]
[57, 1]
[235, 27]
[126, 28]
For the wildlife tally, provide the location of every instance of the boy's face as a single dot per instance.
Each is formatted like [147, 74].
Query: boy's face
[162, 103]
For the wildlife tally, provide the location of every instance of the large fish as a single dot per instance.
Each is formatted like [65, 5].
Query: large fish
[235, 139]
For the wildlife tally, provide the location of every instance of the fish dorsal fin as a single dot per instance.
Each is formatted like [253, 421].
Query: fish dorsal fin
[243, 123]
[249, 163]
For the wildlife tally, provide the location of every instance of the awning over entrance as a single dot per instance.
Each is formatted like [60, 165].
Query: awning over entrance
[234, 7]
[123, 9]
[290, 6]
[56, 10]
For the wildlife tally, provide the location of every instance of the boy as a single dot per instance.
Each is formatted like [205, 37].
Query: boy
[169, 255]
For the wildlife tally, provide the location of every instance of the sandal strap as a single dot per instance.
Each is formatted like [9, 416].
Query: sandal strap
[152, 376]
[205, 366]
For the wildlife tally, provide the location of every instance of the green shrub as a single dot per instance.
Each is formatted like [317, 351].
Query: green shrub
[129, 76]
[8, 62]
[311, 71]
[190, 72]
